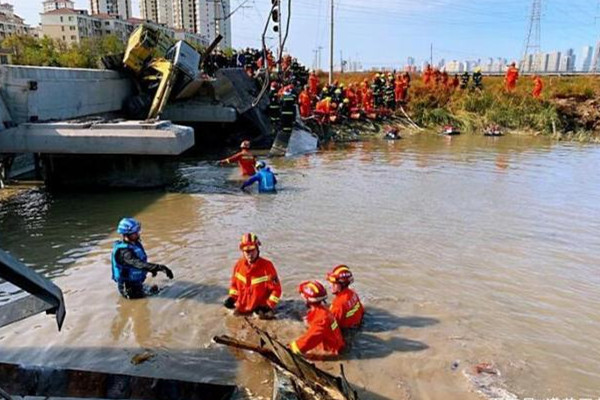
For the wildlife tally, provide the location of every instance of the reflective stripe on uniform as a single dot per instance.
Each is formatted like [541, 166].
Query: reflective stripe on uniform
[233, 292]
[334, 325]
[353, 310]
[294, 348]
[240, 277]
[274, 299]
[256, 281]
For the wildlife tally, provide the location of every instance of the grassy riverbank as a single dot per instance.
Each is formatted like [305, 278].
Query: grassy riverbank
[569, 107]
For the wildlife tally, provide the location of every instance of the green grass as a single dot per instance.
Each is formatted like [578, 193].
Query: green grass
[472, 111]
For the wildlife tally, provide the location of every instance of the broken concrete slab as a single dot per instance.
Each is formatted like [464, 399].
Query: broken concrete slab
[30, 93]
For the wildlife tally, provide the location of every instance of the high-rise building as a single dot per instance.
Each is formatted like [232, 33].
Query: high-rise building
[50, 5]
[11, 23]
[185, 15]
[122, 8]
[553, 61]
[213, 20]
[165, 12]
[595, 65]
[586, 59]
[176, 14]
[149, 10]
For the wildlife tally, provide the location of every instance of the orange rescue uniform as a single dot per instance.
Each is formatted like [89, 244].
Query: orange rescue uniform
[313, 85]
[512, 74]
[304, 101]
[245, 160]
[538, 85]
[324, 106]
[347, 309]
[254, 285]
[323, 333]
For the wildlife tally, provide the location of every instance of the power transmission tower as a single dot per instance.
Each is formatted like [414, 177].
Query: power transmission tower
[533, 45]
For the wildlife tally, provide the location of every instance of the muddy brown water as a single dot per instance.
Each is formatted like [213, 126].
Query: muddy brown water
[465, 250]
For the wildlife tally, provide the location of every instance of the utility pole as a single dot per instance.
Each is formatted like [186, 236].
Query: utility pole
[341, 62]
[331, 48]
[431, 56]
[320, 48]
[315, 60]
[280, 52]
[533, 39]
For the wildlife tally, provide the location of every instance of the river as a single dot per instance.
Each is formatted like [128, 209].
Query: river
[464, 250]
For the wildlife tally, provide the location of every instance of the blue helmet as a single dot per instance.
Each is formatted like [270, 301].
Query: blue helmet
[260, 165]
[127, 226]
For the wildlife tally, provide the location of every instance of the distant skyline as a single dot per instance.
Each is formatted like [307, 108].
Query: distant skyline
[386, 32]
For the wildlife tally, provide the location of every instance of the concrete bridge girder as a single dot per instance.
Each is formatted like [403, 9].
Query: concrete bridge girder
[126, 137]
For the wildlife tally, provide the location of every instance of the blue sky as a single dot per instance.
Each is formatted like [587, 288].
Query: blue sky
[386, 32]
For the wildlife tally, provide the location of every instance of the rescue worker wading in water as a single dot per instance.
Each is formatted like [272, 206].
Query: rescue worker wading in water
[130, 264]
[346, 306]
[244, 158]
[267, 182]
[255, 286]
[324, 336]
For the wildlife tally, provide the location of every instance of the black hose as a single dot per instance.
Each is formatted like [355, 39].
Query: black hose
[266, 83]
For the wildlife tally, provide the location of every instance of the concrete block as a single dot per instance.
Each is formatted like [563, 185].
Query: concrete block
[127, 137]
[48, 93]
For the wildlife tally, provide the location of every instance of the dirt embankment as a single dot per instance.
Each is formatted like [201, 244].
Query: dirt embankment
[579, 113]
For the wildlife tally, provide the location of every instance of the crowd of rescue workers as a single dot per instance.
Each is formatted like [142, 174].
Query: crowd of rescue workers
[294, 89]
[255, 287]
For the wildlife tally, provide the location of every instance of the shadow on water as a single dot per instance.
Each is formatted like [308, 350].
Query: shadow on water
[200, 292]
[62, 227]
[378, 320]
[364, 346]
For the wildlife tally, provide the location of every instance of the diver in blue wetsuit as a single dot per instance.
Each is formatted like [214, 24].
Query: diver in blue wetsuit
[265, 177]
[130, 264]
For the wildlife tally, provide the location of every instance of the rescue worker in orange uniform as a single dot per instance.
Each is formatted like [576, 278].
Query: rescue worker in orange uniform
[351, 96]
[367, 103]
[324, 334]
[244, 158]
[346, 307]
[538, 85]
[510, 79]
[455, 82]
[427, 75]
[305, 103]
[399, 89]
[255, 285]
[313, 84]
[323, 109]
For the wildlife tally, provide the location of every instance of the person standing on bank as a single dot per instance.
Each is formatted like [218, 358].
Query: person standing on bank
[129, 261]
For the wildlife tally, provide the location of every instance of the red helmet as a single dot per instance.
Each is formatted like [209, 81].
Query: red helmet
[312, 291]
[249, 242]
[340, 274]
[245, 144]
